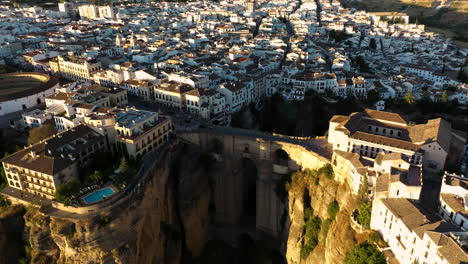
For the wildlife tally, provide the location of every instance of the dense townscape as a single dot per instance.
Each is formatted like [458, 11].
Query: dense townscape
[114, 83]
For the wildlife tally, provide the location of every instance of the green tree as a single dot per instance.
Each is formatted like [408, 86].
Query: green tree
[444, 97]
[373, 44]
[365, 253]
[3, 178]
[409, 97]
[67, 190]
[39, 133]
[333, 209]
[123, 167]
[96, 177]
[362, 64]
[364, 216]
[4, 202]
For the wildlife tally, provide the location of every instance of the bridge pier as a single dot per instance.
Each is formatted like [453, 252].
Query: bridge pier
[273, 159]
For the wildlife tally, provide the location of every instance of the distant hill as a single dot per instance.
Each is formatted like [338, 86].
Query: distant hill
[449, 17]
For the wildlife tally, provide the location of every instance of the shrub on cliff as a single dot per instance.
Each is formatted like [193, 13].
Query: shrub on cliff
[365, 253]
[312, 231]
[333, 209]
[327, 171]
[325, 227]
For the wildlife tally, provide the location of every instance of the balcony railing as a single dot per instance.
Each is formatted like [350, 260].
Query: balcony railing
[37, 183]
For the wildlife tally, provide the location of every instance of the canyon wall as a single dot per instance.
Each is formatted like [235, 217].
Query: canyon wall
[169, 219]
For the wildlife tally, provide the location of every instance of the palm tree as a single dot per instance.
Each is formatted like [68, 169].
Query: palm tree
[96, 177]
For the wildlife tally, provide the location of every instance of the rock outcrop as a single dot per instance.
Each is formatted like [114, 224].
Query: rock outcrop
[317, 192]
[167, 220]
[11, 235]
[148, 229]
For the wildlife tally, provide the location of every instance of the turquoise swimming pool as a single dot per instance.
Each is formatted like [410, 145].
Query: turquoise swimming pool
[98, 195]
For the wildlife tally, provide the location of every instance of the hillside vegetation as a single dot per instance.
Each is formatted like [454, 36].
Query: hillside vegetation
[447, 17]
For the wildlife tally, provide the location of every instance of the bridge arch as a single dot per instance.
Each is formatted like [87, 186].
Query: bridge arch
[281, 157]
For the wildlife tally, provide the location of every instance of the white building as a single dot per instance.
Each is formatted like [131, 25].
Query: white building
[414, 235]
[371, 132]
[454, 200]
[35, 118]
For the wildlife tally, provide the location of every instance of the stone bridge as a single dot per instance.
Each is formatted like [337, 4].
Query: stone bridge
[253, 164]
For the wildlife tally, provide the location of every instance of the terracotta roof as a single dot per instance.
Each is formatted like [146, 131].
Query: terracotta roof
[386, 141]
[386, 116]
[54, 154]
[339, 118]
[455, 203]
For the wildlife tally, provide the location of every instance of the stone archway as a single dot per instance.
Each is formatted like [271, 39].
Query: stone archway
[281, 157]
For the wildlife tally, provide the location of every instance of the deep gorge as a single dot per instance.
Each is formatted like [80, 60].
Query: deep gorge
[173, 220]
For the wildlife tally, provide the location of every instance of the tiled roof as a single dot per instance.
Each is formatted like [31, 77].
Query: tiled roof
[386, 141]
[53, 155]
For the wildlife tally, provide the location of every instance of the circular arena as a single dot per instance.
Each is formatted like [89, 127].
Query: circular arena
[23, 90]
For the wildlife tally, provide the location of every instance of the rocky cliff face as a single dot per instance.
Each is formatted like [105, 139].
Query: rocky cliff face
[11, 235]
[168, 219]
[317, 192]
[165, 217]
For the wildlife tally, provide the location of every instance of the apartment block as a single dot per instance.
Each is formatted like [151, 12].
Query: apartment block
[74, 68]
[41, 168]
